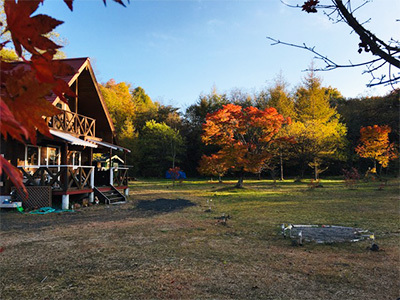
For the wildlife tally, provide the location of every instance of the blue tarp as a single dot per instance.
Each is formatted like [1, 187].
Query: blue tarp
[181, 175]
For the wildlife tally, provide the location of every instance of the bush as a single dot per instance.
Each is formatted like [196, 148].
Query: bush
[351, 177]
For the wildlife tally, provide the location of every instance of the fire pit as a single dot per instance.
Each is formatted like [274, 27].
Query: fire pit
[325, 233]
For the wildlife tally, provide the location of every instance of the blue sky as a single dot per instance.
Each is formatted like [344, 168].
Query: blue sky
[177, 50]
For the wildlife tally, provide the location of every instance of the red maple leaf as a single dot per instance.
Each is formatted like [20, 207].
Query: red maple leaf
[29, 31]
[49, 71]
[14, 174]
[26, 99]
[310, 6]
[69, 4]
[9, 124]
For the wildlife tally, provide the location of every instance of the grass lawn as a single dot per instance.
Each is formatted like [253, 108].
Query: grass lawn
[164, 245]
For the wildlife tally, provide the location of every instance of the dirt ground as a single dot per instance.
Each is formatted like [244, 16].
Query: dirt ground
[13, 220]
[163, 244]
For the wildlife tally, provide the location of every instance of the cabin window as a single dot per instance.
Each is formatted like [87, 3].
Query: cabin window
[32, 155]
[62, 105]
[75, 158]
[53, 156]
[43, 156]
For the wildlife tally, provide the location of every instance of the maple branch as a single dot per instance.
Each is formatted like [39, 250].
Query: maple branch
[392, 81]
[368, 38]
[387, 52]
[330, 63]
[302, 6]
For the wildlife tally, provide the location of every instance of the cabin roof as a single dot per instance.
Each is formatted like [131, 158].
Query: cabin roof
[78, 65]
[82, 66]
[91, 102]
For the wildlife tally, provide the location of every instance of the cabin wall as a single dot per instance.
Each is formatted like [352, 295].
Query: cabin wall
[46, 152]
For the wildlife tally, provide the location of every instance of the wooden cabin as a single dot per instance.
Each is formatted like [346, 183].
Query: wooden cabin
[61, 168]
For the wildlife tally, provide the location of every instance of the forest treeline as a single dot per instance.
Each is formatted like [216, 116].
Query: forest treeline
[324, 128]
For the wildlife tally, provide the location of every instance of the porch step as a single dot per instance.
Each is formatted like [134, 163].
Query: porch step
[112, 196]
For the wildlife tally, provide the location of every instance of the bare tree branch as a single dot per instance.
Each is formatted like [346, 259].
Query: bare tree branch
[330, 63]
[368, 39]
[387, 53]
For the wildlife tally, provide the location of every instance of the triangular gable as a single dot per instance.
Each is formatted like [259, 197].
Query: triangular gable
[80, 65]
[90, 103]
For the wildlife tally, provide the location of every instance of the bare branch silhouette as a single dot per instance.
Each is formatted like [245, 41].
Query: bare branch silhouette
[387, 53]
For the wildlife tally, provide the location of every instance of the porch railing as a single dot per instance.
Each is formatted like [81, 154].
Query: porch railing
[72, 122]
[116, 176]
[59, 177]
[119, 176]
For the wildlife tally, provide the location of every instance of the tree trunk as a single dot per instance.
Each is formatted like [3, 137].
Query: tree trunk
[281, 161]
[316, 169]
[219, 179]
[273, 176]
[302, 170]
[173, 150]
[239, 184]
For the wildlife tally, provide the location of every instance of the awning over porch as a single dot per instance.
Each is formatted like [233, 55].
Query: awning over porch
[108, 145]
[72, 139]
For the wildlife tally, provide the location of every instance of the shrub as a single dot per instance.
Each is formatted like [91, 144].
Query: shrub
[351, 177]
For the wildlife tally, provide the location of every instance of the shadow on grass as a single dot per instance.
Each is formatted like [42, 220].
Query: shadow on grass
[230, 188]
[163, 205]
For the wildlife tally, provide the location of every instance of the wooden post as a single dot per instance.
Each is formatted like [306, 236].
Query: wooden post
[76, 119]
[64, 161]
[91, 195]
[91, 157]
[111, 176]
[111, 169]
[76, 97]
[64, 125]
[65, 202]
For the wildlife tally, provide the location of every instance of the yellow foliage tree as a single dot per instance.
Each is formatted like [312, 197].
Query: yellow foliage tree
[119, 102]
[316, 128]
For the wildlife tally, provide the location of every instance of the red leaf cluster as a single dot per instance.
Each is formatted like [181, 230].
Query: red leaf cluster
[14, 174]
[50, 71]
[310, 6]
[174, 172]
[27, 31]
[25, 98]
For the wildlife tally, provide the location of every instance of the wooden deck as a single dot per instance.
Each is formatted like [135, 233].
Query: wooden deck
[73, 180]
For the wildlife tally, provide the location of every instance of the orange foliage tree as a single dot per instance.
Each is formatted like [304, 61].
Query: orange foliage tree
[24, 86]
[374, 144]
[244, 136]
[214, 165]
